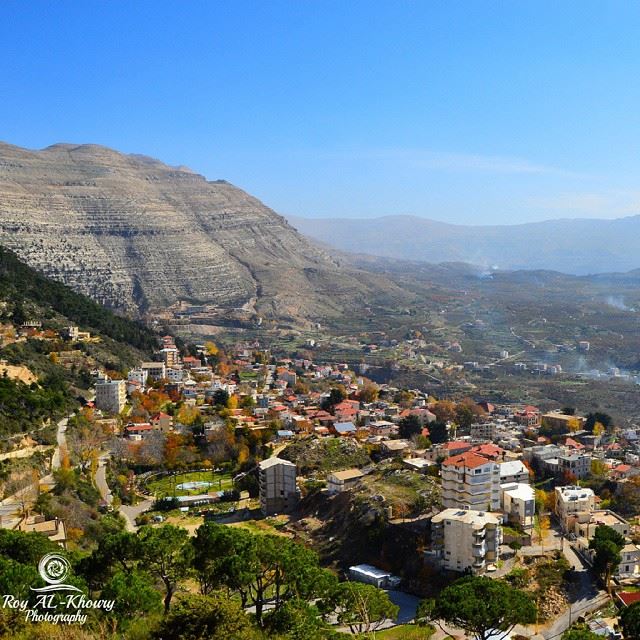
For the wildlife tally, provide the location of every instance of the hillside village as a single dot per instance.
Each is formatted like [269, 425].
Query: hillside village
[316, 452]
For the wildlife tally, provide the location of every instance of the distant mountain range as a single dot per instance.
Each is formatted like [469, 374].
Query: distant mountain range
[579, 247]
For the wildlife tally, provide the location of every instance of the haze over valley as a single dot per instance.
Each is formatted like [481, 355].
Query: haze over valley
[573, 246]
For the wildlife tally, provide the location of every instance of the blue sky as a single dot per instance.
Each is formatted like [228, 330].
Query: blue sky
[467, 112]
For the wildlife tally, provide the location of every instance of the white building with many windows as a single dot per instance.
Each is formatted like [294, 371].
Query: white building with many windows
[472, 481]
[278, 489]
[464, 539]
[111, 395]
[519, 504]
[574, 505]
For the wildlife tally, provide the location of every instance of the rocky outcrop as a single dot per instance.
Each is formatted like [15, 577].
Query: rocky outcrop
[136, 234]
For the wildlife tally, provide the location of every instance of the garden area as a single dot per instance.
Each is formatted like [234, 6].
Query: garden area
[189, 483]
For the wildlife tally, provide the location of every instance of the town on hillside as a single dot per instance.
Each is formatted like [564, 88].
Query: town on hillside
[389, 487]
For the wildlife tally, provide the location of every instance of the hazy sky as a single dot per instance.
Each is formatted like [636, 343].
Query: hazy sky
[470, 112]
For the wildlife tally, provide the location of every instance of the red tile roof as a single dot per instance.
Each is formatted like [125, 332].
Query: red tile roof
[488, 450]
[456, 444]
[570, 442]
[468, 460]
[628, 597]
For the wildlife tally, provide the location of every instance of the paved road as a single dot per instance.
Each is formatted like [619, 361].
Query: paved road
[101, 480]
[589, 596]
[61, 439]
[12, 505]
[131, 512]
[128, 512]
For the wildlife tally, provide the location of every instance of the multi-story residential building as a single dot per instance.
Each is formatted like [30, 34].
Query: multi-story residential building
[484, 431]
[464, 539]
[174, 374]
[278, 489]
[155, 370]
[170, 355]
[629, 566]
[598, 518]
[472, 481]
[574, 505]
[519, 504]
[138, 375]
[513, 471]
[560, 421]
[111, 395]
[577, 466]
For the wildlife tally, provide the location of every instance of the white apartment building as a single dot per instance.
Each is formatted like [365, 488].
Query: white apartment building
[111, 395]
[577, 465]
[463, 539]
[484, 431]
[472, 481]
[629, 566]
[138, 375]
[519, 504]
[175, 374]
[513, 471]
[574, 505]
[155, 370]
[278, 489]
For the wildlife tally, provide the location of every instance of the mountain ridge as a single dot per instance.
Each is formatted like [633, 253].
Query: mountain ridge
[577, 246]
[136, 234]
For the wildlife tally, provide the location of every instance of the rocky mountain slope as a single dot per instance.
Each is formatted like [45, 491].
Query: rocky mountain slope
[571, 246]
[136, 234]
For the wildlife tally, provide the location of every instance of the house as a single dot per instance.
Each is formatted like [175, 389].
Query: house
[576, 466]
[466, 540]
[513, 471]
[344, 428]
[382, 428]
[627, 598]
[138, 431]
[484, 431]
[489, 451]
[54, 529]
[162, 422]
[340, 481]
[417, 464]
[560, 422]
[454, 448]
[422, 413]
[519, 504]
[574, 445]
[587, 529]
[574, 504]
[529, 416]
[155, 370]
[395, 448]
[621, 471]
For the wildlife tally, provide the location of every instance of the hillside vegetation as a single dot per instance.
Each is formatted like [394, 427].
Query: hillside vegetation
[20, 284]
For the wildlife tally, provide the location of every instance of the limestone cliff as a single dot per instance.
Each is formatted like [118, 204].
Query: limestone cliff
[136, 234]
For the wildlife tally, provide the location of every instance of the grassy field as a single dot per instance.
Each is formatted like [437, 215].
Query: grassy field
[168, 485]
[405, 632]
